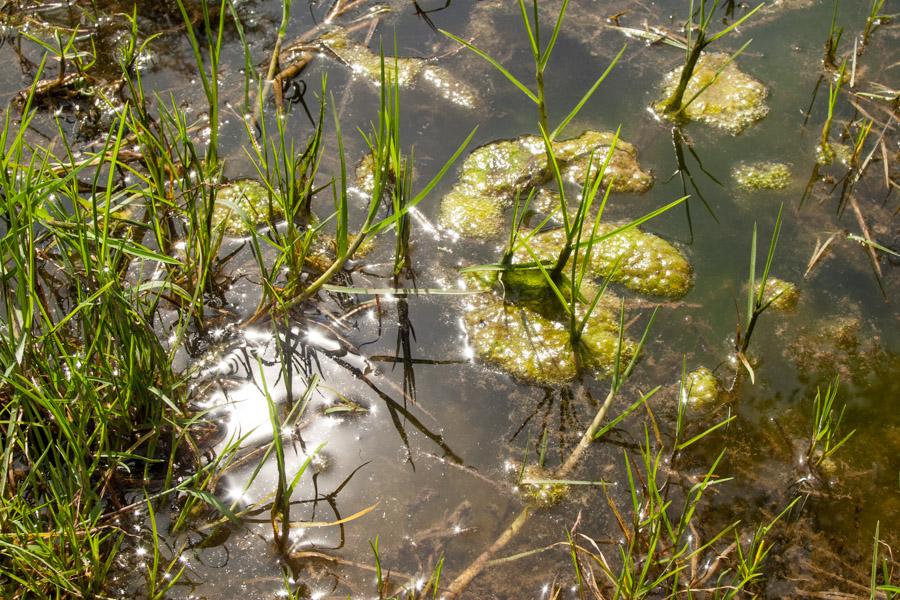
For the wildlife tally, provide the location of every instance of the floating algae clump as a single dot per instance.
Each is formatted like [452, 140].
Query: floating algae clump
[539, 490]
[240, 205]
[623, 170]
[783, 294]
[363, 61]
[762, 176]
[495, 171]
[449, 87]
[831, 152]
[471, 214]
[701, 388]
[366, 63]
[531, 346]
[728, 98]
[647, 264]
[502, 167]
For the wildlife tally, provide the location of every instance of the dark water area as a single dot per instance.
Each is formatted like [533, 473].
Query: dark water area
[412, 422]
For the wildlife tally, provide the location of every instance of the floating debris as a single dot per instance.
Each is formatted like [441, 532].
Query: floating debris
[720, 94]
[762, 175]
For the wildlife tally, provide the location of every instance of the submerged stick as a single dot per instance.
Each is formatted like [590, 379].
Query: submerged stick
[462, 581]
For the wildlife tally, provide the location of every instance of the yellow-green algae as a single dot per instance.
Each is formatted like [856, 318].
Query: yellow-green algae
[241, 205]
[701, 388]
[406, 70]
[524, 342]
[728, 98]
[492, 174]
[762, 175]
[471, 214]
[783, 294]
[647, 263]
[363, 61]
[545, 494]
[829, 153]
[623, 171]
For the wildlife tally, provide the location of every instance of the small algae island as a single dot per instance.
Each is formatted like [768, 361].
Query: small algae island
[491, 174]
[718, 94]
[518, 325]
[762, 175]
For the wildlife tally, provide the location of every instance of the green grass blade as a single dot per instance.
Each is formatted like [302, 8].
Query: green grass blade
[495, 64]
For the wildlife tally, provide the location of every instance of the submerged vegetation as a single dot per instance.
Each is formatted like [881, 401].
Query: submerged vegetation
[228, 362]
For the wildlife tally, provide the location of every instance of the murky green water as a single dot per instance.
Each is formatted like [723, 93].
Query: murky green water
[436, 439]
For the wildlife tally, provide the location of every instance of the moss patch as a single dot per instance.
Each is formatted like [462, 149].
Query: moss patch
[762, 175]
[728, 98]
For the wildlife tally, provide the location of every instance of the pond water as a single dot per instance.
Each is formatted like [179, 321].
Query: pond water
[409, 422]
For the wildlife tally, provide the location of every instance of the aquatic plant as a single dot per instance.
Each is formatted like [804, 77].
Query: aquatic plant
[834, 39]
[825, 436]
[697, 42]
[541, 57]
[824, 152]
[874, 19]
[757, 300]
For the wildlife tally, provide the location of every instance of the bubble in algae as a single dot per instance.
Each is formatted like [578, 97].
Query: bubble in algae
[529, 345]
[762, 175]
[783, 294]
[728, 98]
[241, 205]
[647, 264]
[701, 388]
[492, 174]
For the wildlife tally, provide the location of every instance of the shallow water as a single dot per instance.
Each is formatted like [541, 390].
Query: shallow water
[435, 444]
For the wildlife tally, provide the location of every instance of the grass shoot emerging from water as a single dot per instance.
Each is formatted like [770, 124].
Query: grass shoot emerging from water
[757, 300]
[697, 42]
